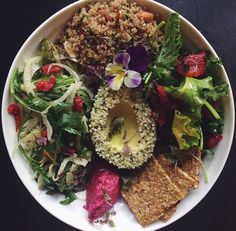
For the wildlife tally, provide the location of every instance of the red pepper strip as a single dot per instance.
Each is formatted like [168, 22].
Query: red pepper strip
[214, 140]
[46, 85]
[69, 150]
[164, 106]
[192, 65]
[14, 110]
[78, 104]
[51, 69]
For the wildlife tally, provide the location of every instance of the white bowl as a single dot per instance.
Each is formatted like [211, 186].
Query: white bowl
[74, 214]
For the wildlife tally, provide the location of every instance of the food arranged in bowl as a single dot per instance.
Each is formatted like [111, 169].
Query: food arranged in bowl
[119, 107]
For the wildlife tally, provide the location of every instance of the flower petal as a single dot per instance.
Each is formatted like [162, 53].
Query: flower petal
[122, 59]
[139, 59]
[115, 82]
[113, 69]
[132, 79]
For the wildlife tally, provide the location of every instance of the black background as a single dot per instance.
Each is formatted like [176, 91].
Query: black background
[216, 19]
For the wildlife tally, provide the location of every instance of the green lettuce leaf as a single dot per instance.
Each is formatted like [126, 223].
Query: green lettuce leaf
[185, 131]
[195, 93]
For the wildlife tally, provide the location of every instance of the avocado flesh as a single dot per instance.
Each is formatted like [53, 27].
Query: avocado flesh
[130, 127]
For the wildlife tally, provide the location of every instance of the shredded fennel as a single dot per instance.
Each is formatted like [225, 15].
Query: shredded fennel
[76, 160]
[48, 126]
[31, 67]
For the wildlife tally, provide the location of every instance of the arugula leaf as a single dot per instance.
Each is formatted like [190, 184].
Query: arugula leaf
[161, 69]
[31, 102]
[195, 92]
[16, 81]
[72, 123]
[62, 107]
[186, 132]
[72, 131]
[70, 197]
[208, 152]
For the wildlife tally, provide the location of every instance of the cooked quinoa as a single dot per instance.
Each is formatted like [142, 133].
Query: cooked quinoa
[105, 100]
[97, 31]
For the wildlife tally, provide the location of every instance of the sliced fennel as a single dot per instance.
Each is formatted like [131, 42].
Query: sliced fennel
[48, 126]
[76, 160]
[32, 65]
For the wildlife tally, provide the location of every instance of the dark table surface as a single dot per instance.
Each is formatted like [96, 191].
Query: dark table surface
[216, 19]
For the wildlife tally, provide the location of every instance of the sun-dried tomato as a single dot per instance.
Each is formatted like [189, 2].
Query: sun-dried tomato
[192, 65]
[46, 85]
[78, 104]
[214, 140]
[44, 133]
[51, 69]
[69, 150]
[14, 110]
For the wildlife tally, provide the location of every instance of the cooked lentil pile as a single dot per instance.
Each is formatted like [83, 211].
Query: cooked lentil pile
[98, 30]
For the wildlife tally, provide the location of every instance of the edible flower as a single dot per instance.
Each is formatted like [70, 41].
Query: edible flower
[120, 70]
[41, 141]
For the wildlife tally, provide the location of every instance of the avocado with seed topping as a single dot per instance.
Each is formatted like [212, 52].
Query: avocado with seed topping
[121, 127]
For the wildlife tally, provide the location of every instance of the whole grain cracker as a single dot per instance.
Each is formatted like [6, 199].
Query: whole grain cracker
[152, 194]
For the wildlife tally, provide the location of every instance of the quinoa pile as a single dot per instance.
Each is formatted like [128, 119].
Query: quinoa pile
[107, 99]
[97, 31]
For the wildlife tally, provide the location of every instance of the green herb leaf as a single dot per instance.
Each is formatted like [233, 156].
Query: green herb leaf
[70, 197]
[72, 120]
[208, 152]
[161, 69]
[31, 102]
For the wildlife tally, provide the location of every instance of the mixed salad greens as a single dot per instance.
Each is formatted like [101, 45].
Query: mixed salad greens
[188, 91]
[53, 133]
[182, 89]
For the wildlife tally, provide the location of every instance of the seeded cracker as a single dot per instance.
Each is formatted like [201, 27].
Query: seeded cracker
[152, 194]
[180, 178]
[189, 162]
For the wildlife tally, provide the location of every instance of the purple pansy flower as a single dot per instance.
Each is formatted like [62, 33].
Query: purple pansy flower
[121, 69]
[41, 141]
[139, 59]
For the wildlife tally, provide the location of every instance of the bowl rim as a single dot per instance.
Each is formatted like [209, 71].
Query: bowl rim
[83, 2]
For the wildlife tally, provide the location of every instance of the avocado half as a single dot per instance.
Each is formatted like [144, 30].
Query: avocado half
[132, 144]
